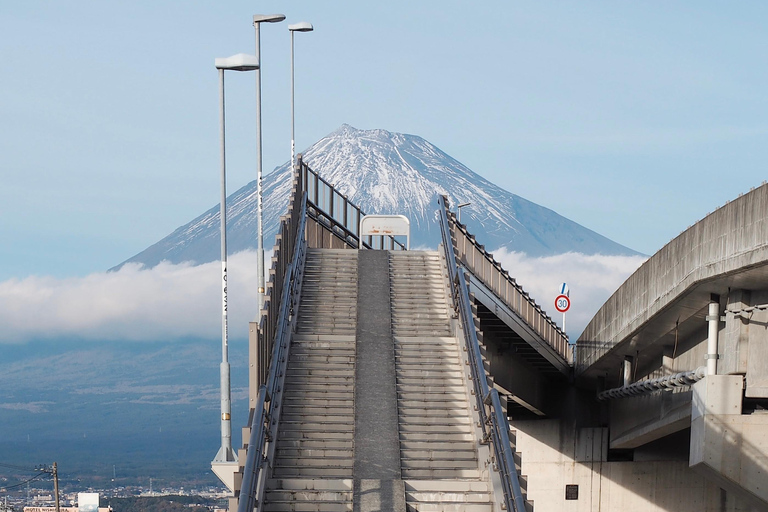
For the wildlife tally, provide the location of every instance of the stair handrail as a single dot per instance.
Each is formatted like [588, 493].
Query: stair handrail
[498, 433]
[263, 426]
[548, 330]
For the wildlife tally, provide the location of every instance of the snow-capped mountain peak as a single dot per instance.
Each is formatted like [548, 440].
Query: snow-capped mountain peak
[388, 173]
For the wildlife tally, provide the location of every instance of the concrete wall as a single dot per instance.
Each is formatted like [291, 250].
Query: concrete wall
[731, 238]
[555, 453]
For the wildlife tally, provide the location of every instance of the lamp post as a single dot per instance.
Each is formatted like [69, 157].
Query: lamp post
[225, 459]
[302, 26]
[258, 19]
[458, 210]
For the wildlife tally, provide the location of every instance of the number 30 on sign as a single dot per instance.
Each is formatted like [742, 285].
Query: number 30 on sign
[562, 303]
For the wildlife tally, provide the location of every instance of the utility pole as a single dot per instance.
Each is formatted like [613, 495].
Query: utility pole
[56, 485]
[53, 471]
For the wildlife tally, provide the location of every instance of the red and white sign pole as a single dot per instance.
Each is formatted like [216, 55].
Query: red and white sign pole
[563, 302]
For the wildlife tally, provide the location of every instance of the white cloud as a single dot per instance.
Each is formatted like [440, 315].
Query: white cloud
[178, 301]
[591, 280]
[166, 302]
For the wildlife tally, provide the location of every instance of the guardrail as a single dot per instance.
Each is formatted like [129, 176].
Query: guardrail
[282, 297]
[484, 267]
[494, 423]
[337, 218]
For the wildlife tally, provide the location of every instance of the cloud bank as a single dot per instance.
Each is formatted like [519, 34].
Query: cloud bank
[174, 302]
[166, 302]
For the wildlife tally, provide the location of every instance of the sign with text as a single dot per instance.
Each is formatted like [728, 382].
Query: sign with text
[386, 225]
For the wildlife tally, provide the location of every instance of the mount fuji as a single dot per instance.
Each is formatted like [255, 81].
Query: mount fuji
[387, 173]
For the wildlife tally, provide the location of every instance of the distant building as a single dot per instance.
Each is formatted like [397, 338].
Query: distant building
[86, 502]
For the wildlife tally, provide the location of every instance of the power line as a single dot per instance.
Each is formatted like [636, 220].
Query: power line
[22, 484]
[20, 468]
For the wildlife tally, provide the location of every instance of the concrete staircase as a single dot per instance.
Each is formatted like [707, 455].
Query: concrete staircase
[438, 443]
[315, 448]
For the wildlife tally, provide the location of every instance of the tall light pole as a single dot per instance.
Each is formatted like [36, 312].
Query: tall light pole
[258, 19]
[225, 462]
[302, 26]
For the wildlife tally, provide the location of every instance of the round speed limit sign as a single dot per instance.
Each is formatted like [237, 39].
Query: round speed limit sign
[562, 303]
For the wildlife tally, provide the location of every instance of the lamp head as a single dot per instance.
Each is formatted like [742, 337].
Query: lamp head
[267, 18]
[302, 26]
[239, 62]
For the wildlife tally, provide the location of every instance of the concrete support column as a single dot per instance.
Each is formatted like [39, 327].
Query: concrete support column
[713, 317]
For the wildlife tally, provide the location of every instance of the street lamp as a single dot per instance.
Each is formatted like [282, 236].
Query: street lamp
[302, 26]
[258, 19]
[225, 462]
[458, 209]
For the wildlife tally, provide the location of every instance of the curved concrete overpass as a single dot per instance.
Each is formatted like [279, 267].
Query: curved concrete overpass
[667, 297]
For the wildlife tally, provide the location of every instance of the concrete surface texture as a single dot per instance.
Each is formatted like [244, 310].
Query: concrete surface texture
[732, 238]
[556, 454]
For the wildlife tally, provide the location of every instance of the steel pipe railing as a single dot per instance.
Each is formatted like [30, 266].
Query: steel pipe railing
[495, 426]
[265, 417]
[337, 213]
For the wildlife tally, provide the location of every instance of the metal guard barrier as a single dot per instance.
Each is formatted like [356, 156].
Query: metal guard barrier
[254, 474]
[336, 213]
[494, 423]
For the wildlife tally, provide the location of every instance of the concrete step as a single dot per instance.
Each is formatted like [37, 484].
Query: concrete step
[298, 484]
[309, 506]
[317, 472]
[299, 417]
[316, 385]
[313, 434]
[448, 497]
[439, 464]
[419, 388]
[415, 395]
[300, 453]
[312, 462]
[448, 507]
[323, 337]
[343, 403]
[324, 369]
[320, 411]
[458, 446]
[314, 444]
[435, 474]
[458, 486]
[435, 455]
[408, 419]
[317, 396]
[320, 425]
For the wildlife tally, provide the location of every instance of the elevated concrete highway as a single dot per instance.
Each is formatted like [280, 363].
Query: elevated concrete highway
[698, 307]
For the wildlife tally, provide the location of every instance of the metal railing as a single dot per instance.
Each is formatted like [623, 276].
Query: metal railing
[337, 218]
[495, 425]
[282, 296]
[484, 267]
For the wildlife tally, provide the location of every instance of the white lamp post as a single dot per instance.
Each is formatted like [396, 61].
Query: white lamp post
[258, 19]
[225, 462]
[302, 26]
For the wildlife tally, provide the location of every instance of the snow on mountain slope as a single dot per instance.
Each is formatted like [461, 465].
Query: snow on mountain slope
[386, 172]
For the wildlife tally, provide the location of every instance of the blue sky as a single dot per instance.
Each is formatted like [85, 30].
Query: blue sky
[633, 119]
